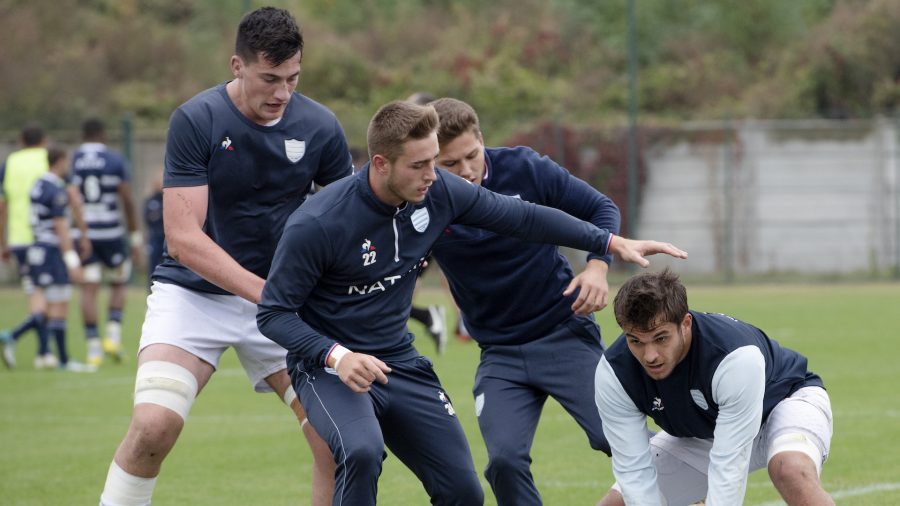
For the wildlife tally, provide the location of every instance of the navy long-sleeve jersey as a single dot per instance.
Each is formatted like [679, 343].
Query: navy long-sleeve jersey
[347, 262]
[523, 299]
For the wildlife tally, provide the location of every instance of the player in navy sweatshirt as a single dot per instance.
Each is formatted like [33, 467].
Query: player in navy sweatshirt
[339, 293]
[729, 400]
[522, 302]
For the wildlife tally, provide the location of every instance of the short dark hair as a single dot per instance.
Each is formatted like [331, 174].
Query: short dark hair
[457, 118]
[421, 98]
[396, 123]
[649, 299]
[270, 31]
[32, 135]
[55, 153]
[92, 129]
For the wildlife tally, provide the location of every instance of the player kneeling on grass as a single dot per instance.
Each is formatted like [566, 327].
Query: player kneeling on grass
[52, 259]
[729, 400]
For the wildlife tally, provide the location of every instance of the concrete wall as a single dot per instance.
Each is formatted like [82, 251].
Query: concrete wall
[764, 197]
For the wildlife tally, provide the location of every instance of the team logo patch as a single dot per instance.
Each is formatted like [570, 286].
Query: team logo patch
[699, 400]
[368, 252]
[420, 219]
[479, 404]
[446, 400]
[294, 149]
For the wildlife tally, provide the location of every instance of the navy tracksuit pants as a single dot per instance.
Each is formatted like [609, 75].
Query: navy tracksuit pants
[411, 414]
[511, 386]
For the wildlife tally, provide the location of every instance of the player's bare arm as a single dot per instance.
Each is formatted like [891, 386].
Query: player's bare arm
[4, 247]
[61, 227]
[76, 203]
[184, 212]
[135, 237]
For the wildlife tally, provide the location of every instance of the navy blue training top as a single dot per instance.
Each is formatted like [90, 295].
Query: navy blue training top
[347, 262]
[98, 171]
[509, 290]
[686, 396]
[257, 175]
[49, 201]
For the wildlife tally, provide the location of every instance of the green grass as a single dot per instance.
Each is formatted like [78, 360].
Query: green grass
[58, 431]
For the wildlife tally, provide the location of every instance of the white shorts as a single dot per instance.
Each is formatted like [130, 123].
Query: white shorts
[682, 463]
[205, 325]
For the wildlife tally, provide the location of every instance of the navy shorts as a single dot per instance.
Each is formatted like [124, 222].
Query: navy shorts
[20, 252]
[111, 252]
[46, 266]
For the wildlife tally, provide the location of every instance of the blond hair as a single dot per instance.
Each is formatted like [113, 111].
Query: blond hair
[397, 122]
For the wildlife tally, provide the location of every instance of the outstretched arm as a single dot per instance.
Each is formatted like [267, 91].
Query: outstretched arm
[635, 251]
[504, 215]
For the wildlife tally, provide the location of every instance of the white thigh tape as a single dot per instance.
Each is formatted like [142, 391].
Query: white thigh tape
[165, 384]
[289, 396]
[796, 442]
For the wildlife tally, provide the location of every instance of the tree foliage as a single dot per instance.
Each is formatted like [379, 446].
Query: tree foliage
[519, 62]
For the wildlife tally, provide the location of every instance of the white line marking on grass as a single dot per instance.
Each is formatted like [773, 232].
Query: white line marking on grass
[849, 492]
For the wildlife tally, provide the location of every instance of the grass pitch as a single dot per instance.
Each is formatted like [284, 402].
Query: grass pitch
[59, 430]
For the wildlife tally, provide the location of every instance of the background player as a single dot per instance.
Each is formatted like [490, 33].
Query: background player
[102, 176]
[729, 400]
[240, 158]
[522, 302]
[52, 258]
[19, 173]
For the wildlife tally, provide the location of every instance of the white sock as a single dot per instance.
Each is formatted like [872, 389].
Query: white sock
[123, 489]
[114, 331]
[94, 349]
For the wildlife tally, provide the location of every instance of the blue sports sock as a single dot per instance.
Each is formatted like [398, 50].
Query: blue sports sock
[115, 315]
[43, 336]
[58, 329]
[29, 323]
[90, 331]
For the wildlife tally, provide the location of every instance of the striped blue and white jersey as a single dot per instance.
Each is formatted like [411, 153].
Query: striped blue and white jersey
[49, 200]
[98, 171]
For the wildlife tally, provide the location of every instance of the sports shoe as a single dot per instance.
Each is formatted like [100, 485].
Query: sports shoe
[113, 350]
[47, 361]
[95, 360]
[73, 366]
[438, 327]
[9, 349]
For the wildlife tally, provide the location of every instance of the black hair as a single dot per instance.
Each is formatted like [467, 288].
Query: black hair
[270, 31]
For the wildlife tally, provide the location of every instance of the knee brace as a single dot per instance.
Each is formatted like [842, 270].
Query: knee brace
[796, 442]
[92, 273]
[165, 384]
[122, 273]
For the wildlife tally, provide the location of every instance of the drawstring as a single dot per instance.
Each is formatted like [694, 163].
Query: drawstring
[396, 238]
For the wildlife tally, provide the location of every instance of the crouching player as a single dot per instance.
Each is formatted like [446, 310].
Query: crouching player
[52, 261]
[729, 400]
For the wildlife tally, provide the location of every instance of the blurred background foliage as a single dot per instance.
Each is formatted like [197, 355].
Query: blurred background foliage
[521, 63]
